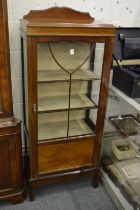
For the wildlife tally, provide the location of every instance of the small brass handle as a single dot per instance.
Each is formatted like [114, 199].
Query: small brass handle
[34, 108]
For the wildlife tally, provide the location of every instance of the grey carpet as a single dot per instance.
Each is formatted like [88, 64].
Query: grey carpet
[73, 195]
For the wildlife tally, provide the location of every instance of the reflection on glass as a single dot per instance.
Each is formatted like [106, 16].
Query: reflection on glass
[68, 79]
[52, 125]
[0, 105]
[53, 96]
[80, 123]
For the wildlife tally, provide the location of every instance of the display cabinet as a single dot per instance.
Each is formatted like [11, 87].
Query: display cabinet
[120, 157]
[64, 69]
[11, 167]
[120, 162]
[11, 171]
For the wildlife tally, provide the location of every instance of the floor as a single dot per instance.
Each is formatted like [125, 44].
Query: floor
[73, 195]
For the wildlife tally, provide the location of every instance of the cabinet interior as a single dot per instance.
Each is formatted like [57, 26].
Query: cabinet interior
[66, 84]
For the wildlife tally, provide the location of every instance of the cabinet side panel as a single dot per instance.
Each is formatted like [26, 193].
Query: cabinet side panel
[25, 81]
[103, 96]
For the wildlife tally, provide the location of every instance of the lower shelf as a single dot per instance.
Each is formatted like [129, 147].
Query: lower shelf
[62, 102]
[52, 130]
[60, 75]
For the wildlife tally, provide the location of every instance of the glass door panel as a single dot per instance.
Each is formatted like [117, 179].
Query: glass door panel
[53, 96]
[80, 123]
[56, 61]
[68, 79]
[80, 96]
[68, 54]
[48, 70]
[52, 125]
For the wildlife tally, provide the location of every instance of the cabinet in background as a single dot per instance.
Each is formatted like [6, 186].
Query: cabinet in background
[6, 108]
[11, 165]
[11, 170]
[120, 162]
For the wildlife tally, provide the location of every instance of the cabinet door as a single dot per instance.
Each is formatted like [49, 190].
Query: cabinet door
[68, 81]
[68, 87]
[8, 164]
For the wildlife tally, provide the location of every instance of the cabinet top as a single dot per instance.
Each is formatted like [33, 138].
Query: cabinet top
[63, 21]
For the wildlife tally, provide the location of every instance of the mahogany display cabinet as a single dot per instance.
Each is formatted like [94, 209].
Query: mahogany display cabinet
[11, 165]
[66, 58]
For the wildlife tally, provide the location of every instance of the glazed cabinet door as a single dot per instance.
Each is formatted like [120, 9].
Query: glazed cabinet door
[8, 165]
[67, 81]
[68, 87]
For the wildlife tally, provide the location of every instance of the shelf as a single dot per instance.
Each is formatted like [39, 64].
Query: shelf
[55, 130]
[129, 100]
[56, 103]
[60, 75]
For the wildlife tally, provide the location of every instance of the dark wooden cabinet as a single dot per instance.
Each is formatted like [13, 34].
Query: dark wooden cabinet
[66, 65]
[11, 165]
[11, 171]
[6, 108]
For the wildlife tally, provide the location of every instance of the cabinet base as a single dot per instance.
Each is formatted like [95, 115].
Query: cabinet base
[15, 198]
[63, 176]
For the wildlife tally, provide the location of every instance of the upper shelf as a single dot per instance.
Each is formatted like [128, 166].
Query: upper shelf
[56, 130]
[60, 75]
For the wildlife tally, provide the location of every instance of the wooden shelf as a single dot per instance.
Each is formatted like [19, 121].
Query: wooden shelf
[53, 130]
[56, 103]
[60, 75]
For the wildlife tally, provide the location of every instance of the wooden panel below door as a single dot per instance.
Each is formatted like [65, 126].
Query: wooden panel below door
[58, 156]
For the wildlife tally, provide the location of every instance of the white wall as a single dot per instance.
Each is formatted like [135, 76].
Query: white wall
[118, 12]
